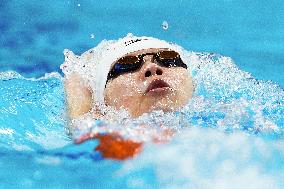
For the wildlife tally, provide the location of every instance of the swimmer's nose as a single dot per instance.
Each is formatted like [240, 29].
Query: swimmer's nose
[151, 70]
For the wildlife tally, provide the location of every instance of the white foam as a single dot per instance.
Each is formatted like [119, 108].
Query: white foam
[206, 158]
[225, 98]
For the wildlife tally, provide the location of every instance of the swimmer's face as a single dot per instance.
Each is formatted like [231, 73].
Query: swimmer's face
[151, 87]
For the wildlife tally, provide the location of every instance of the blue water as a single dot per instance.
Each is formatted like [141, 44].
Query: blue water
[34, 34]
[230, 134]
[226, 138]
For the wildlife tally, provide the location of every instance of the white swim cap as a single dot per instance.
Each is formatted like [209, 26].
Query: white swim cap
[95, 63]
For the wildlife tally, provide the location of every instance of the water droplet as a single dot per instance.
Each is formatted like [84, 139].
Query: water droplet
[165, 25]
[79, 5]
[92, 36]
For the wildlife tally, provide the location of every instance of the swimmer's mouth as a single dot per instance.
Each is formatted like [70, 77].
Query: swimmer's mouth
[157, 86]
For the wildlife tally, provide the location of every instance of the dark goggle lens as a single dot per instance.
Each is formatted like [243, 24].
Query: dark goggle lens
[165, 55]
[124, 65]
[123, 68]
[170, 59]
[128, 60]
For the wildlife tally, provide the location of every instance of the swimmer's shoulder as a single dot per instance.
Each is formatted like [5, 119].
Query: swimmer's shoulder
[78, 96]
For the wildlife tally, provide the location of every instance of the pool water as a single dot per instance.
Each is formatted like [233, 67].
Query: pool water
[34, 34]
[230, 135]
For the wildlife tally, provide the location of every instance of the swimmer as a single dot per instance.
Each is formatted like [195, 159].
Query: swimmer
[138, 74]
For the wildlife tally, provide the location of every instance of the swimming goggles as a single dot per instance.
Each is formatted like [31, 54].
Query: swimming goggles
[129, 64]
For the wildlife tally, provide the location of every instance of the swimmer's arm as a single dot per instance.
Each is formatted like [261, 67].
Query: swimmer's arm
[78, 96]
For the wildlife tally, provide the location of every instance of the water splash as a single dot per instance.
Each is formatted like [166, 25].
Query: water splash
[165, 25]
[225, 98]
[92, 36]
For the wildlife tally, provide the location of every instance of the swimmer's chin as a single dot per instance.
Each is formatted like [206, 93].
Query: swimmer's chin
[154, 108]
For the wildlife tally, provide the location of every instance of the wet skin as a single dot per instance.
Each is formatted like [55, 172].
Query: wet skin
[153, 87]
